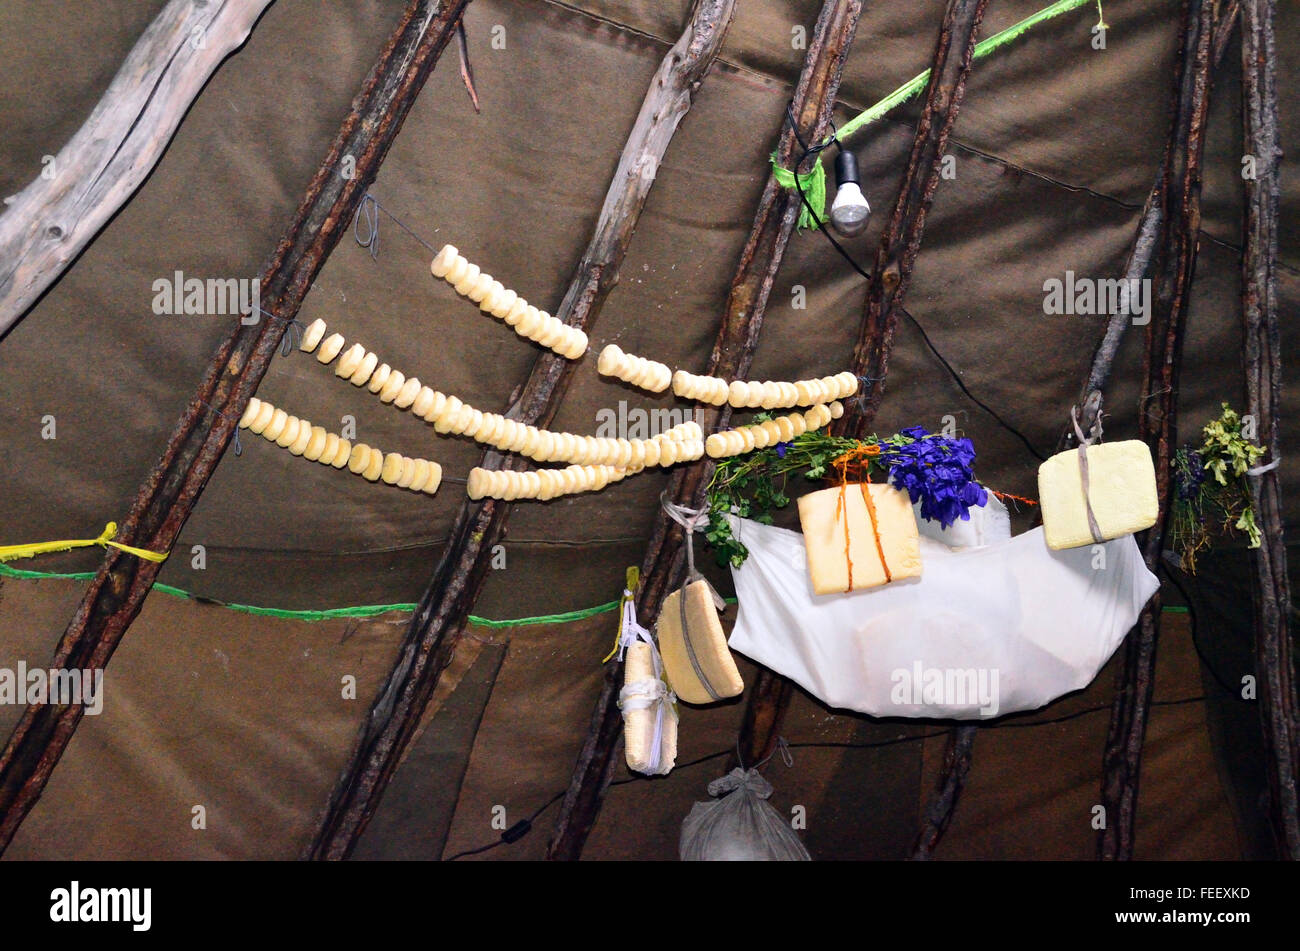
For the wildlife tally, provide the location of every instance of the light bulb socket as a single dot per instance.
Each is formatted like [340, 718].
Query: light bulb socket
[846, 168]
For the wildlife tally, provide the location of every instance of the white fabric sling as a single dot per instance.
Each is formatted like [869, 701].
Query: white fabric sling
[983, 632]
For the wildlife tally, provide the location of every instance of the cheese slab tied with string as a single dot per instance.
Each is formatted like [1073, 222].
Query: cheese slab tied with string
[860, 535]
[696, 658]
[647, 710]
[1121, 491]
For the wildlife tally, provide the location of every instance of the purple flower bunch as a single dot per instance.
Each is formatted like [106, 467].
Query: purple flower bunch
[1189, 469]
[935, 471]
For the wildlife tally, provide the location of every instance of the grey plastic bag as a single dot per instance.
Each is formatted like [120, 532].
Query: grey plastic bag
[742, 826]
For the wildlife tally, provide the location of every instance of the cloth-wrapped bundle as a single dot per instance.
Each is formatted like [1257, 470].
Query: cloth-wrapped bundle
[742, 826]
[1118, 499]
[649, 717]
[984, 632]
[859, 535]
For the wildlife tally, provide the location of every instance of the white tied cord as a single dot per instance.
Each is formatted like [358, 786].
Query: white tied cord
[1266, 467]
[647, 693]
[1084, 443]
[630, 631]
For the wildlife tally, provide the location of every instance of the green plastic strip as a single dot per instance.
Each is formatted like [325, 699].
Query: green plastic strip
[982, 49]
[362, 610]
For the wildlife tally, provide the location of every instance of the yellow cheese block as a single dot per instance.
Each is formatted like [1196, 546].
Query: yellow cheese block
[639, 725]
[707, 642]
[824, 524]
[1121, 487]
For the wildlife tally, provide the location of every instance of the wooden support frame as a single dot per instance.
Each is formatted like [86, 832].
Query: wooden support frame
[957, 756]
[957, 760]
[1138, 263]
[901, 242]
[1275, 664]
[164, 502]
[899, 246]
[733, 352]
[1174, 267]
[440, 618]
[52, 220]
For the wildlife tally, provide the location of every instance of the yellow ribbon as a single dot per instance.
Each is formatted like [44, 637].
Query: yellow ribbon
[629, 592]
[11, 552]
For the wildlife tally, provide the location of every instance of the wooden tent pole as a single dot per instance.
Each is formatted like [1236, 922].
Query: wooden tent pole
[1174, 267]
[440, 618]
[952, 780]
[1274, 661]
[900, 244]
[733, 352]
[957, 758]
[164, 502]
[50, 221]
[1138, 263]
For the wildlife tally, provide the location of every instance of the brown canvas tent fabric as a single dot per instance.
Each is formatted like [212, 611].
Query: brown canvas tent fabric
[245, 717]
[1056, 147]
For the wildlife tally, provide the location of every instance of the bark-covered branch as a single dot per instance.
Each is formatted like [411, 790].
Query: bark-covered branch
[733, 352]
[50, 221]
[439, 621]
[164, 502]
[1275, 664]
[1174, 267]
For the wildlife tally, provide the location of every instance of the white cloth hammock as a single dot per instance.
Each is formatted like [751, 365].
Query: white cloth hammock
[983, 632]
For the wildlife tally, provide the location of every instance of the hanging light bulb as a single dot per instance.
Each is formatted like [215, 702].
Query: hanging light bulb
[849, 210]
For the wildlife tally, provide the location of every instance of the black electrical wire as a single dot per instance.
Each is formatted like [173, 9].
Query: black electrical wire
[822, 227]
[523, 827]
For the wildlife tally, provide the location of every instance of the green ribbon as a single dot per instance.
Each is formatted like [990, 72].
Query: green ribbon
[368, 610]
[982, 49]
[814, 190]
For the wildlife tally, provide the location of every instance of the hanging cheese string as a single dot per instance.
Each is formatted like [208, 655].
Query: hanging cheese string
[733, 442]
[742, 394]
[646, 374]
[12, 552]
[301, 438]
[494, 298]
[751, 394]
[541, 484]
[682, 443]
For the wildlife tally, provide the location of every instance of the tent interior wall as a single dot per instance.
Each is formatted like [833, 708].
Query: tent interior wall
[1056, 149]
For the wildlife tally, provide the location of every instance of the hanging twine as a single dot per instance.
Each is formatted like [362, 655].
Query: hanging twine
[1084, 442]
[11, 552]
[858, 459]
[368, 212]
[629, 631]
